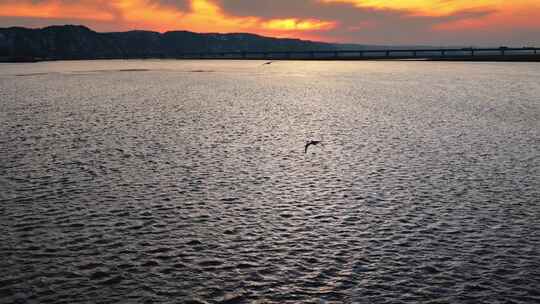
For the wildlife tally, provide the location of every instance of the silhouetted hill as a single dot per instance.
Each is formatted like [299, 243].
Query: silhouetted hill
[79, 42]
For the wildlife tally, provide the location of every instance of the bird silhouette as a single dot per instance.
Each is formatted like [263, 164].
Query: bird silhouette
[312, 142]
[267, 63]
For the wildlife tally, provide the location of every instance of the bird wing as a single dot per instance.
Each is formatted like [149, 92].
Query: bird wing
[307, 145]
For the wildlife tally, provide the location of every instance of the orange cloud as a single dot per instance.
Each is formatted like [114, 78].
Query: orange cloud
[146, 14]
[204, 16]
[293, 24]
[524, 14]
[369, 21]
[516, 14]
[207, 16]
[423, 7]
[152, 15]
[85, 10]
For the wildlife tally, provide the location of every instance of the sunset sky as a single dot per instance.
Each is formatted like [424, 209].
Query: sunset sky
[429, 22]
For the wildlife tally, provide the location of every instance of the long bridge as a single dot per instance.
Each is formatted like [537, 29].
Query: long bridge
[472, 54]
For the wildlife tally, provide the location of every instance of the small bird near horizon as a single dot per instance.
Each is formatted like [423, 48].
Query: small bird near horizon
[312, 142]
[267, 63]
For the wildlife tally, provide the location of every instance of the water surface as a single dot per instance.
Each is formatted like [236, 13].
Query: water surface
[178, 181]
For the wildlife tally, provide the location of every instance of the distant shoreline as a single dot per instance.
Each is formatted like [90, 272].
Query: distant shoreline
[487, 58]
[76, 42]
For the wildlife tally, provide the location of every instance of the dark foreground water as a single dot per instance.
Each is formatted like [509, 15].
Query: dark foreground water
[187, 182]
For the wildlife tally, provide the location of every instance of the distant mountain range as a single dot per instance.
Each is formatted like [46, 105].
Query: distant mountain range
[66, 42]
[80, 42]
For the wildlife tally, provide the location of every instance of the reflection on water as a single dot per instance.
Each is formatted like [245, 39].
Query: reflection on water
[158, 181]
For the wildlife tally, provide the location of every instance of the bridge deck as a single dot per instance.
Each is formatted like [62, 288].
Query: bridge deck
[495, 54]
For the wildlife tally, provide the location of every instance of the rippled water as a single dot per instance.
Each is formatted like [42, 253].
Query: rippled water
[187, 182]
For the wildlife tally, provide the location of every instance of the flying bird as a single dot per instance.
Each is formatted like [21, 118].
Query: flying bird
[267, 63]
[312, 142]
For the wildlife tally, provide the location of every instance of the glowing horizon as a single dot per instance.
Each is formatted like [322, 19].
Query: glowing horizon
[354, 21]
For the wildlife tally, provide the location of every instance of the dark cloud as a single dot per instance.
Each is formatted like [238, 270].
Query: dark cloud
[356, 24]
[353, 24]
[183, 5]
[344, 12]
